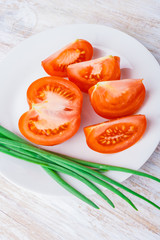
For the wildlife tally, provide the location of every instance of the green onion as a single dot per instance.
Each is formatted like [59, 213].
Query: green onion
[59, 169]
[5, 132]
[105, 178]
[65, 163]
[128, 190]
[55, 176]
[101, 167]
[104, 168]
[104, 184]
[69, 188]
[77, 168]
[84, 180]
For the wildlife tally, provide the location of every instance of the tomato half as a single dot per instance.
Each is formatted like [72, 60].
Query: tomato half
[112, 99]
[115, 135]
[78, 51]
[55, 107]
[87, 74]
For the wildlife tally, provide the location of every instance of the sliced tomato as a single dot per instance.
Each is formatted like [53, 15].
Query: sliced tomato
[55, 107]
[87, 74]
[115, 135]
[112, 99]
[78, 51]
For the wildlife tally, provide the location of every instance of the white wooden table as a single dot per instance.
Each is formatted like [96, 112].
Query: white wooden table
[28, 216]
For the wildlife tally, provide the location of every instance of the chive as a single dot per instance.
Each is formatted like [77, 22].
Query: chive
[127, 170]
[102, 183]
[11, 135]
[5, 132]
[21, 156]
[86, 163]
[69, 188]
[31, 154]
[61, 159]
[57, 168]
[99, 170]
[102, 167]
[84, 180]
[65, 163]
[107, 179]
[63, 183]
[128, 190]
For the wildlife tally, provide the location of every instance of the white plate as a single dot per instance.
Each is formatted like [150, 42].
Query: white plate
[23, 65]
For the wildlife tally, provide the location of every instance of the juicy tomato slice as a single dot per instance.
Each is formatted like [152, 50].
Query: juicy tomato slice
[78, 51]
[87, 74]
[55, 107]
[115, 135]
[112, 99]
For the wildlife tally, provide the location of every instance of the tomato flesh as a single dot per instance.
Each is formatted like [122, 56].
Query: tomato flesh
[54, 115]
[115, 135]
[112, 99]
[57, 63]
[87, 74]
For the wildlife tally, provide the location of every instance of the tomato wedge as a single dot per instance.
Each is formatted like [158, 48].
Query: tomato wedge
[78, 51]
[87, 74]
[112, 99]
[115, 135]
[55, 107]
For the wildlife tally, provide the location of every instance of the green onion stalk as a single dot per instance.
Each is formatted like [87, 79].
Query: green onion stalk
[86, 172]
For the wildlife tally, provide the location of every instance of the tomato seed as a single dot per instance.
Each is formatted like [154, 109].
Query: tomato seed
[83, 52]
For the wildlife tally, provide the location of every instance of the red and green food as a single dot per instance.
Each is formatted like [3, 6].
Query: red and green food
[55, 111]
[77, 51]
[112, 99]
[115, 135]
[54, 164]
[87, 74]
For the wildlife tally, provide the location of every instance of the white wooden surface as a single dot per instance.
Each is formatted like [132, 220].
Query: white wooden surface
[28, 216]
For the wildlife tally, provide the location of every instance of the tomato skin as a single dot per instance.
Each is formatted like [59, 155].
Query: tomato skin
[101, 69]
[32, 89]
[46, 140]
[114, 99]
[70, 118]
[50, 63]
[117, 141]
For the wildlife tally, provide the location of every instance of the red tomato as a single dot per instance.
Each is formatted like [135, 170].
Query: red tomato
[78, 51]
[55, 108]
[112, 99]
[115, 135]
[87, 74]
